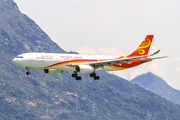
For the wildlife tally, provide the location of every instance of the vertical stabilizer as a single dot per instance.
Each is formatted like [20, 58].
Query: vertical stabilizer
[143, 48]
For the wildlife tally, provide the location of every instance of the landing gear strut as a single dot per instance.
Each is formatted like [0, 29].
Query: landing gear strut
[27, 73]
[75, 75]
[94, 75]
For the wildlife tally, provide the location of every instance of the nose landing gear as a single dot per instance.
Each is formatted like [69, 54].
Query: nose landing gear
[27, 73]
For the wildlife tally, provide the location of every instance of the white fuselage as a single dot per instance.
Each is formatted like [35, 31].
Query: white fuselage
[59, 61]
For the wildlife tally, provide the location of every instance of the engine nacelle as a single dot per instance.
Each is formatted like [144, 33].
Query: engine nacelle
[84, 69]
[52, 71]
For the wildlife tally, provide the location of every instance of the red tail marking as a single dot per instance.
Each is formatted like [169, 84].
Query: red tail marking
[143, 48]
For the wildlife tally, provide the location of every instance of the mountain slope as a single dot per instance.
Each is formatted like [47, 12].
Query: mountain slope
[19, 34]
[159, 86]
[42, 96]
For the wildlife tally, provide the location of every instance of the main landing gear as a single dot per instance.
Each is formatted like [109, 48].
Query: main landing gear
[75, 75]
[94, 75]
[27, 73]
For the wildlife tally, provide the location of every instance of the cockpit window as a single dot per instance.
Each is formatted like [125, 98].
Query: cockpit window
[19, 56]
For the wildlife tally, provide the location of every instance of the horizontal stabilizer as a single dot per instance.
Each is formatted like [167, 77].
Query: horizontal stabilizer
[159, 57]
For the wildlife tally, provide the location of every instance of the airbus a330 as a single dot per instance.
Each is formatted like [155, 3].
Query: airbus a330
[54, 63]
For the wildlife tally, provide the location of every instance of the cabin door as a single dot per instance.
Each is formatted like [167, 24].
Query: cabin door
[30, 58]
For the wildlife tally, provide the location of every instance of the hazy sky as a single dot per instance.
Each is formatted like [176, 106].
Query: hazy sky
[113, 27]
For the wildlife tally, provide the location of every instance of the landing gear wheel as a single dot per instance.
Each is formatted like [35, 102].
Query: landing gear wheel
[74, 75]
[78, 78]
[28, 73]
[96, 78]
[92, 74]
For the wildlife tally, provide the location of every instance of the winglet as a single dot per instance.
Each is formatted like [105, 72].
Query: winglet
[156, 52]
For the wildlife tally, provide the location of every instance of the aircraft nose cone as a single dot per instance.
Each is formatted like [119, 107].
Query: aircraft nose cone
[15, 61]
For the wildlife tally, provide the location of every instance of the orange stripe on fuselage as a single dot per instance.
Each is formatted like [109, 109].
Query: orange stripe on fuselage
[70, 62]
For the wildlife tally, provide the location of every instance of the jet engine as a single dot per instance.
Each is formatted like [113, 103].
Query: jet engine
[142, 60]
[52, 71]
[84, 69]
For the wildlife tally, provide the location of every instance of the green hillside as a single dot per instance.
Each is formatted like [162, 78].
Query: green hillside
[19, 34]
[60, 97]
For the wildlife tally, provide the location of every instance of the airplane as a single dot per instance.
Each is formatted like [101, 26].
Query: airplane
[54, 63]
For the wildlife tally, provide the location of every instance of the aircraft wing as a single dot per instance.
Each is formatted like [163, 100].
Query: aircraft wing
[98, 64]
[118, 61]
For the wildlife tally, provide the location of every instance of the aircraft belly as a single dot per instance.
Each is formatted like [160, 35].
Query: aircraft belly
[63, 67]
[106, 68]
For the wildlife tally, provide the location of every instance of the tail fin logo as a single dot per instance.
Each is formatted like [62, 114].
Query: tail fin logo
[143, 48]
[145, 44]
